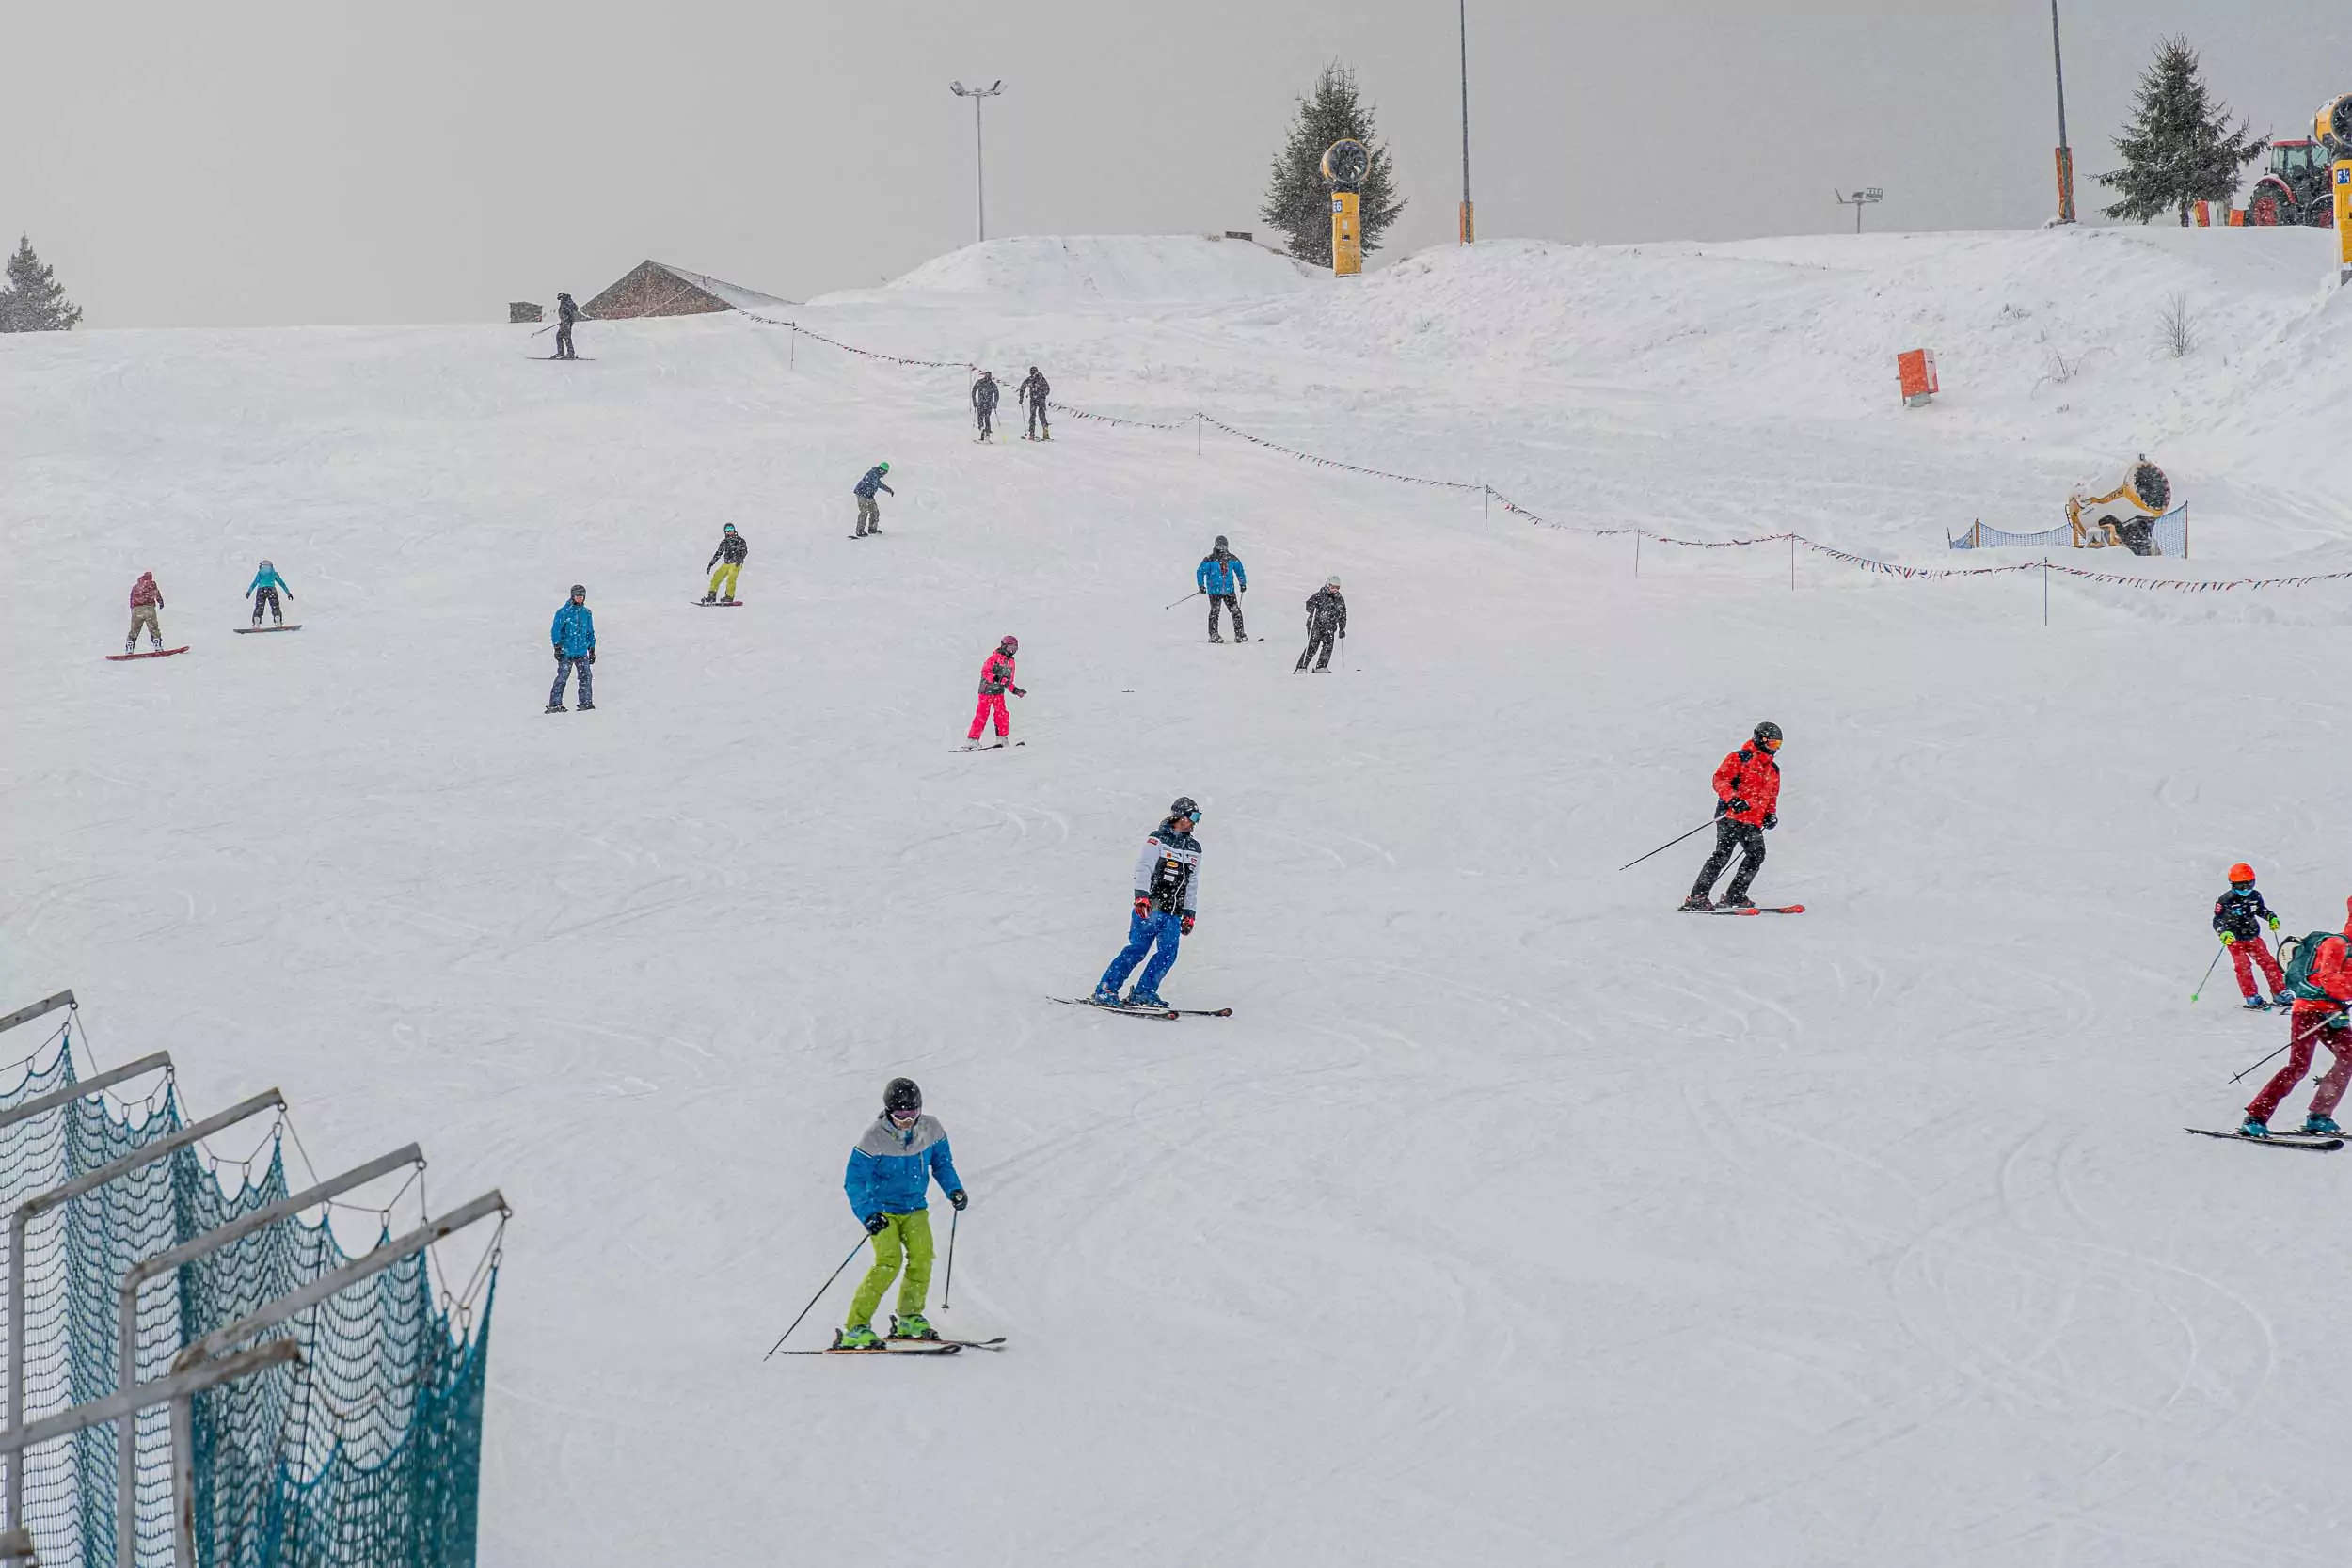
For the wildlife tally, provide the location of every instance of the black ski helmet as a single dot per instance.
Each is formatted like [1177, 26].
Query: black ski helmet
[577, 592]
[1768, 730]
[902, 1095]
[1220, 543]
[1184, 806]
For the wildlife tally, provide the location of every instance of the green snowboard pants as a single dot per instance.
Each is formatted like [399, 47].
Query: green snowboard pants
[907, 1237]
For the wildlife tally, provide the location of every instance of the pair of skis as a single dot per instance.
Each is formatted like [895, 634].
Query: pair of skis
[2317, 1143]
[1166, 1014]
[909, 1347]
[1756, 909]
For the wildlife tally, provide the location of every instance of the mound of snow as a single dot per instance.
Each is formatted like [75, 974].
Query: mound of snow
[1053, 271]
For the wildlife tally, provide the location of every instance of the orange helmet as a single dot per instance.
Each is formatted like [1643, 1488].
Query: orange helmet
[2241, 872]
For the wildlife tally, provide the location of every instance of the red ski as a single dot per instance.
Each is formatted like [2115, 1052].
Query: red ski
[1764, 909]
[159, 653]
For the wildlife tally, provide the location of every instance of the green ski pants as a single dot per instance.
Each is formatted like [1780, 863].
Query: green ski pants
[907, 1237]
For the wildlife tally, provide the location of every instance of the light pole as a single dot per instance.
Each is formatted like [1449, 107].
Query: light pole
[980, 165]
[2065, 153]
[1868, 196]
[1470, 230]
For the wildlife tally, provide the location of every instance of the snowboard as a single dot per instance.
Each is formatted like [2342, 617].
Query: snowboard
[247, 631]
[895, 1347]
[159, 653]
[2276, 1140]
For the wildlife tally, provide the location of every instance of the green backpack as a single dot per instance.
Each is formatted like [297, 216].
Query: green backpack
[2300, 953]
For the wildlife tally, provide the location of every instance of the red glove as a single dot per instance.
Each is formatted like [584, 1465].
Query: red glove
[1143, 907]
[1186, 923]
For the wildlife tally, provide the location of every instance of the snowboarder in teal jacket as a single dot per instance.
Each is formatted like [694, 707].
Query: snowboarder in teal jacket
[263, 590]
[888, 1183]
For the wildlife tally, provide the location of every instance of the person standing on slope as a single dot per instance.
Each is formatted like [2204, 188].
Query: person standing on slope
[1221, 577]
[1032, 393]
[984, 394]
[146, 600]
[728, 558]
[2320, 980]
[2234, 916]
[995, 680]
[1166, 894]
[889, 1181]
[264, 589]
[1326, 621]
[868, 509]
[573, 634]
[1747, 797]
[565, 314]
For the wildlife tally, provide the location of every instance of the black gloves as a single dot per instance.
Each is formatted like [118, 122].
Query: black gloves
[876, 1224]
[1772, 819]
[1018, 692]
[1722, 806]
[1739, 805]
[959, 1198]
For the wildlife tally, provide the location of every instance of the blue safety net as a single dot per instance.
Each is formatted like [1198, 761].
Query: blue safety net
[2166, 535]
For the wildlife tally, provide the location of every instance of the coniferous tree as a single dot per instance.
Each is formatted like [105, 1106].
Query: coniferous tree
[2179, 147]
[1297, 200]
[33, 301]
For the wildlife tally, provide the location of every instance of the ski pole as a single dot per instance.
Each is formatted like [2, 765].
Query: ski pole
[948, 1290]
[1187, 599]
[2201, 985]
[819, 1296]
[2292, 1042]
[1668, 844]
[550, 327]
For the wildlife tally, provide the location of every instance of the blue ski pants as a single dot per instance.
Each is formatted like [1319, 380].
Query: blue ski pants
[1143, 932]
[564, 665]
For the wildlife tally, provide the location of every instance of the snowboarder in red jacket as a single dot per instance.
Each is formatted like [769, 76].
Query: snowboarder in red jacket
[995, 680]
[2320, 980]
[1747, 795]
[146, 600]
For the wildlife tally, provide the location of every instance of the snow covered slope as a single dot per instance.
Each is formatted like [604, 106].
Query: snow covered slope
[1513, 1215]
[1059, 273]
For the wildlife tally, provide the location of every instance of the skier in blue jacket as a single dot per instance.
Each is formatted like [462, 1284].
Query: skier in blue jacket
[573, 634]
[1166, 889]
[889, 1181]
[1221, 577]
[868, 509]
[263, 590]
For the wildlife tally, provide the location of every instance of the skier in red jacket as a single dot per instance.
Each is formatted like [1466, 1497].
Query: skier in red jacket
[2320, 981]
[995, 680]
[1747, 795]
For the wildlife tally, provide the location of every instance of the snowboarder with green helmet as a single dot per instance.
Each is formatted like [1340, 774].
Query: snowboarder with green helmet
[868, 509]
[891, 1170]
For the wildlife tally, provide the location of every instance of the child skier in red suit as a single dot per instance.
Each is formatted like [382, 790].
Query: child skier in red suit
[995, 680]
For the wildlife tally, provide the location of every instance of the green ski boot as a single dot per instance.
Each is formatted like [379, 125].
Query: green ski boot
[911, 1327]
[857, 1337]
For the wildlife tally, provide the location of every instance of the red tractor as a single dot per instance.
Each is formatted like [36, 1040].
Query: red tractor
[2298, 187]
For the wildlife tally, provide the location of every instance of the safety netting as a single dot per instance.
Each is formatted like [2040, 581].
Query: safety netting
[365, 1453]
[2139, 534]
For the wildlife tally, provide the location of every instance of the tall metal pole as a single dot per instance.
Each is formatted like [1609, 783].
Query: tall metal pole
[979, 154]
[2065, 152]
[1470, 228]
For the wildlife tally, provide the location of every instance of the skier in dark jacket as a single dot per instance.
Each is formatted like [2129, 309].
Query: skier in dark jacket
[1166, 889]
[984, 395]
[2236, 917]
[868, 509]
[1221, 577]
[1032, 393]
[565, 314]
[731, 551]
[1326, 621]
[1747, 801]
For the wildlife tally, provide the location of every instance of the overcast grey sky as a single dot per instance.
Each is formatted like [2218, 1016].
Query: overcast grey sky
[280, 161]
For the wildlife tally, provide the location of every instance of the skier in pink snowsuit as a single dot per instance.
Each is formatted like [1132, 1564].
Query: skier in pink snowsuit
[995, 680]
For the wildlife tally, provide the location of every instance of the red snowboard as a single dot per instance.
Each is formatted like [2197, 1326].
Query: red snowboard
[159, 653]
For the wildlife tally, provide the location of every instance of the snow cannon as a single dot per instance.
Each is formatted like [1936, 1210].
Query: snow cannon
[2332, 126]
[1345, 162]
[2145, 497]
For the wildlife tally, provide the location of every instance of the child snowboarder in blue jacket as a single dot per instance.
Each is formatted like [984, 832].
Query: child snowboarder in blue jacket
[264, 589]
[889, 1180]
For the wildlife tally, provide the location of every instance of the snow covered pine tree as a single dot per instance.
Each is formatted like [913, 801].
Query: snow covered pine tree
[34, 301]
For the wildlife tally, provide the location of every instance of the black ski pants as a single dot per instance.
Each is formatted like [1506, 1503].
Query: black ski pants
[563, 342]
[268, 596]
[987, 412]
[1748, 840]
[1320, 635]
[1226, 601]
[1036, 418]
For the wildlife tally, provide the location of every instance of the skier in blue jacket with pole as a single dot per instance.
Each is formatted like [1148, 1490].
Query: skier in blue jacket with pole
[1221, 577]
[889, 1182]
[1167, 889]
[263, 590]
[573, 634]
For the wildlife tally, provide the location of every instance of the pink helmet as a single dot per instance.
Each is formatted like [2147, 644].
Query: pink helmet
[1011, 645]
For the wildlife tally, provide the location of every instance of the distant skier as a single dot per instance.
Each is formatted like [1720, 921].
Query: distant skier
[891, 1170]
[2320, 980]
[868, 509]
[264, 589]
[1326, 621]
[728, 558]
[146, 600]
[565, 314]
[575, 638]
[1221, 577]
[1747, 795]
[984, 395]
[2234, 917]
[1166, 894]
[1032, 393]
[996, 672]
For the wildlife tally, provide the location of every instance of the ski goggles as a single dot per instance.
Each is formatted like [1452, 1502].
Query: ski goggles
[906, 1118]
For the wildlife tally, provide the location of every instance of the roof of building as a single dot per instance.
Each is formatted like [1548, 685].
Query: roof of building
[661, 288]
